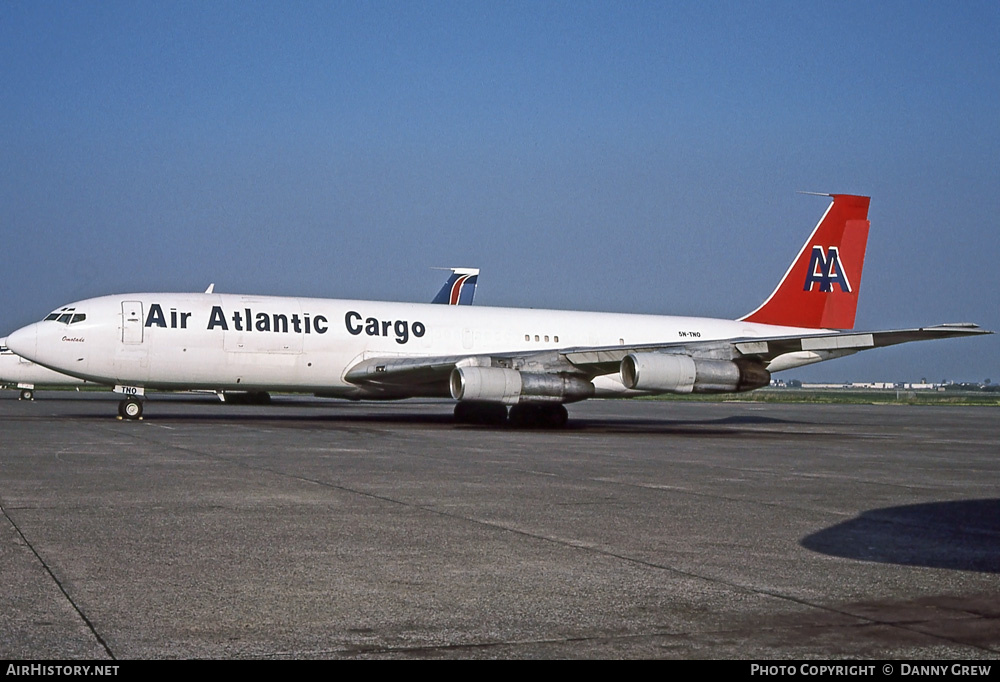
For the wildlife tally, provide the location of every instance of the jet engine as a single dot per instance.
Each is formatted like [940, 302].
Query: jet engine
[672, 373]
[509, 386]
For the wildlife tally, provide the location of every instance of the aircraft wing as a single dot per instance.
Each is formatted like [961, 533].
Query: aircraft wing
[772, 349]
[430, 375]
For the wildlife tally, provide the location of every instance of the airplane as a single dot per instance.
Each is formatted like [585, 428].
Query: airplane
[498, 364]
[26, 375]
[459, 289]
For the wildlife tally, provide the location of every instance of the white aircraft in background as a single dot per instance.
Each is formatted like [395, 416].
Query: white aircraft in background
[487, 359]
[25, 374]
[459, 289]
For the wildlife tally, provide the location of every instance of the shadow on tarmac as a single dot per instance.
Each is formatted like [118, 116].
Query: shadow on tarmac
[963, 535]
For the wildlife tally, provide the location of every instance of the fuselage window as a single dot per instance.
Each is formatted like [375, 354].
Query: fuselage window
[556, 339]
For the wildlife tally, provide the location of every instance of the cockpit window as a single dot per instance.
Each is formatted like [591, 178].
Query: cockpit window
[66, 316]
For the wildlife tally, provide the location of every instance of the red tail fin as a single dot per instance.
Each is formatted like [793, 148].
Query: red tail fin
[820, 289]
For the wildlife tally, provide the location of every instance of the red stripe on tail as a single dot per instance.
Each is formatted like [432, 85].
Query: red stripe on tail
[456, 290]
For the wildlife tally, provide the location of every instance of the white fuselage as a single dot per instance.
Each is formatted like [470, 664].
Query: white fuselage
[234, 342]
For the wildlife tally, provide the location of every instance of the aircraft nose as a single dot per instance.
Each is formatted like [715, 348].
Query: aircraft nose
[24, 341]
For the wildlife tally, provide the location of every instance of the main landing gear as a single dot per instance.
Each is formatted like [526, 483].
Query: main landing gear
[538, 416]
[247, 398]
[524, 416]
[130, 409]
[483, 414]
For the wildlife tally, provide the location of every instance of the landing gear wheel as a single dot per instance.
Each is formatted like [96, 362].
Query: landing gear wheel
[488, 414]
[248, 398]
[531, 416]
[556, 416]
[27, 394]
[130, 409]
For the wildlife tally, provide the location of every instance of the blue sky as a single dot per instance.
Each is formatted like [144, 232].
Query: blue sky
[625, 156]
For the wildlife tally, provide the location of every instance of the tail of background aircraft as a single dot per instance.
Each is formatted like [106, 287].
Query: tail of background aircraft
[460, 288]
[820, 289]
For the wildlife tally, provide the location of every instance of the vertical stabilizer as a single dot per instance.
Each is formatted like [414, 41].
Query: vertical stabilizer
[460, 289]
[820, 289]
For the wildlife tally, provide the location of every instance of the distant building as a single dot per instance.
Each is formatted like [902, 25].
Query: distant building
[860, 385]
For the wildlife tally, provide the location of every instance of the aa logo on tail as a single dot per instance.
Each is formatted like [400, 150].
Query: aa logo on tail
[826, 270]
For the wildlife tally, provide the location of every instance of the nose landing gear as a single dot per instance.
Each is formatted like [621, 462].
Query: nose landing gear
[130, 409]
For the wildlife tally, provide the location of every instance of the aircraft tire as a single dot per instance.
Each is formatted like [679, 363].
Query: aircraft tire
[482, 413]
[538, 416]
[27, 394]
[556, 416]
[130, 409]
[522, 416]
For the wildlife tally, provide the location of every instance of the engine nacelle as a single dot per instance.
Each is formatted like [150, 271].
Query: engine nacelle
[493, 384]
[669, 373]
[508, 386]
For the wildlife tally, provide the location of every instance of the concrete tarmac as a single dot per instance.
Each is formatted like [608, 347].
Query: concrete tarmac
[325, 529]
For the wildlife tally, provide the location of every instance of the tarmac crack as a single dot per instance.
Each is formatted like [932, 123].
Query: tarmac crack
[45, 566]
